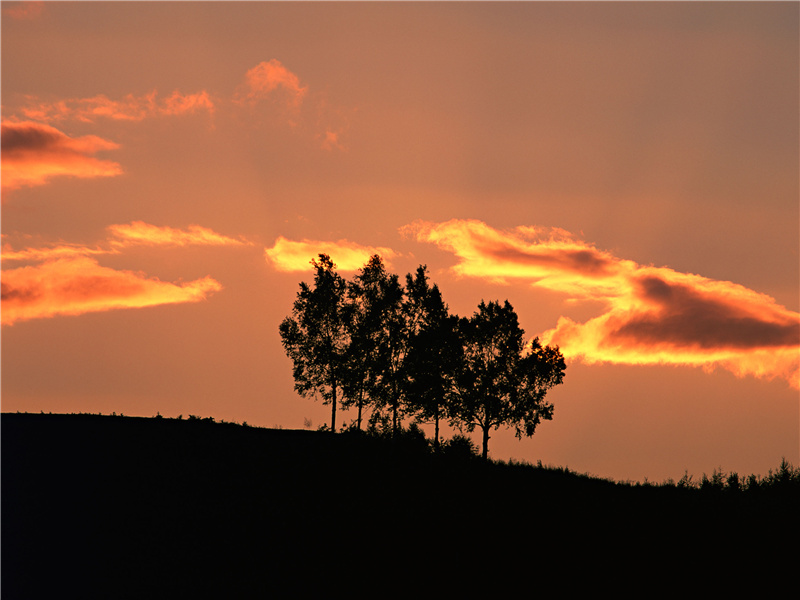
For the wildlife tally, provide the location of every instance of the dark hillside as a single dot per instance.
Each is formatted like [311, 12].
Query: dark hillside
[103, 506]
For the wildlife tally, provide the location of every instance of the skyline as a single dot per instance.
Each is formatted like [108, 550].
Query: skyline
[625, 174]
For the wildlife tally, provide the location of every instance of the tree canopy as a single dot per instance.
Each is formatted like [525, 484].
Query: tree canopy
[396, 350]
[503, 381]
[317, 335]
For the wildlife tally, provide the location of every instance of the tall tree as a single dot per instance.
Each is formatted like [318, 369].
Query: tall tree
[379, 338]
[502, 382]
[316, 336]
[363, 360]
[434, 351]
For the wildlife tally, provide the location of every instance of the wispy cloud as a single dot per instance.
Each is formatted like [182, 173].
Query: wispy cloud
[330, 141]
[139, 232]
[653, 315]
[269, 83]
[69, 280]
[23, 10]
[49, 252]
[73, 286]
[288, 255]
[32, 153]
[129, 108]
[268, 77]
[135, 233]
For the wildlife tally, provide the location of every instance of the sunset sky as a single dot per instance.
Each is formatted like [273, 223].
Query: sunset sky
[625, 174]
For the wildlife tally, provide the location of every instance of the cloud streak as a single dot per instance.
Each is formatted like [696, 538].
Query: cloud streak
[69, 280]
[135, 233]
[295, 256]
[130, 108]
[33, 153]
[78, 285]
[141, 233]
[653, 315]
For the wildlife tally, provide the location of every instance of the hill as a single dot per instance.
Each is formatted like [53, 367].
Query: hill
[149, 507]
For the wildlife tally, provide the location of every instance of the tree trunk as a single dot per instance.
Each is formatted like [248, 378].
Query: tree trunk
[485, 443]
[333, 410]
[436, 430]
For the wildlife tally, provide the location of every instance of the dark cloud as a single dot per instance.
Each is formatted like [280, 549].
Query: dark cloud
[19, 137]
[33, 153]
[585, 261]
[687, 317]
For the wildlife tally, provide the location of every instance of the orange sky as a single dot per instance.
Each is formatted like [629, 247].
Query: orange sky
[625, 174]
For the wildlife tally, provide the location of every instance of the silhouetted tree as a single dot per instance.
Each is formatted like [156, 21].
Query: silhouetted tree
[434, 351]
[379, 339]
[316, 337]
[363, 360]
[501, 382]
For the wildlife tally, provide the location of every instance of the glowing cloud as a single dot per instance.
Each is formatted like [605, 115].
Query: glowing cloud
[287, 255]
[48, 253]
[139, 232]
[265, 78]
[136, 233]
[32, 153]
[73, 286]
[653, 315]
[130, 108]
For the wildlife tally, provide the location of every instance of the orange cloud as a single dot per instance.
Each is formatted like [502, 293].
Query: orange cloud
[138, 232]
[48, 253]
[32, 153]
[122, 236]
[267, 77]
[73, 286]
[23, 10]
[330, 140]
[130, 108]
[654, 315]
[287, 255]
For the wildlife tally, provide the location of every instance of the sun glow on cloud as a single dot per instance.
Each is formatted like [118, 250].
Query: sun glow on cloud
[69, 281]
[288, 255]
[654, 315]
[32, 153]
[73, 286]
[138, 232]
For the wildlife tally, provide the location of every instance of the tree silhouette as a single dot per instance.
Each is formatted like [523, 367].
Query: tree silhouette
[379, 339]
[501, 382]
[317, 336]
[434, 351]
[364, 363]
[373, 343]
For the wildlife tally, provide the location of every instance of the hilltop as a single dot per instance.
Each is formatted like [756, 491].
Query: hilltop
[114, 505]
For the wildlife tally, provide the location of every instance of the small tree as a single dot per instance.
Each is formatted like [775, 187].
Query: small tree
[316, 336]
[501, 381]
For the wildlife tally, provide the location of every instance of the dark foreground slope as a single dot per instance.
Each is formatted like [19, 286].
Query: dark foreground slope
[100, 506]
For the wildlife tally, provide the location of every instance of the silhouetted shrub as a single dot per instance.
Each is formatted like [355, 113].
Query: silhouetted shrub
[411, 438]
[685, 481]
[459, 446]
